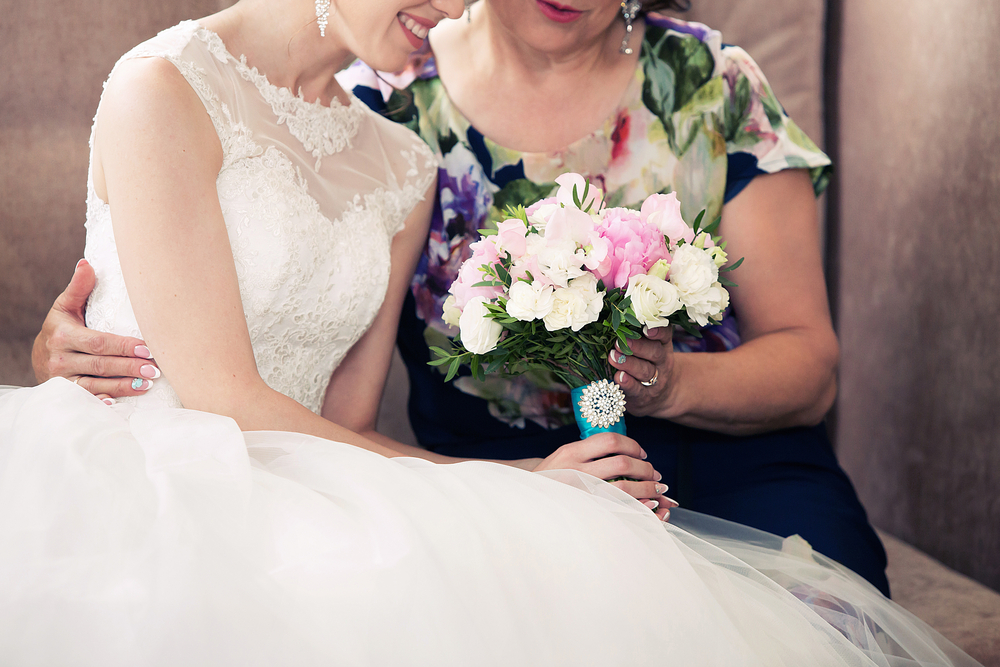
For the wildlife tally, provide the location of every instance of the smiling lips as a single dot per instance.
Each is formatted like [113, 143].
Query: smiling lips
[558, 13]
[414, 29]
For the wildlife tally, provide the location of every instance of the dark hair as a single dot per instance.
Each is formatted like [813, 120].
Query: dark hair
[660, 5]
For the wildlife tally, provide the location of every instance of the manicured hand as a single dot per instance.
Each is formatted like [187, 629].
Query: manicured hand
[618, 459]
[103, 364]
[646, 376]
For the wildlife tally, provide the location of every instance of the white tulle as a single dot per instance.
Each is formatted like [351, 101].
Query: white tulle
[145, 534]
[167, 537]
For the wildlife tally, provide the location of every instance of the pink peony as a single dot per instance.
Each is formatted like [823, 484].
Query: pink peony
[635, 246]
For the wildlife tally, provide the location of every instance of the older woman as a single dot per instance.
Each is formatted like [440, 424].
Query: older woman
[527, 89]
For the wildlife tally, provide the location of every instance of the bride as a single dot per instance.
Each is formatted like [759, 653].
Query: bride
[244, 528]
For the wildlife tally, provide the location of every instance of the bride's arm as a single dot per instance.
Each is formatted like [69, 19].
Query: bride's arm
[157, 157]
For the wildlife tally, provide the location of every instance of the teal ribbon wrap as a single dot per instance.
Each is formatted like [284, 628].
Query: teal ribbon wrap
[586, 430]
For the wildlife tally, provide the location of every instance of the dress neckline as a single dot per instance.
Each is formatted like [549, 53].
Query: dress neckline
[324, 130]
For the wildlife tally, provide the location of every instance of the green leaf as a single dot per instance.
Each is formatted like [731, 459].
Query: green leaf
[488, 232]
[697, 221]
[503, 274]
[734, 265]
[714, 225]
[439, 362]
[453, 369]
[489, 283]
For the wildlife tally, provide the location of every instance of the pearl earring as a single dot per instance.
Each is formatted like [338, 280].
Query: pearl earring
[322, 15]
[630, 9]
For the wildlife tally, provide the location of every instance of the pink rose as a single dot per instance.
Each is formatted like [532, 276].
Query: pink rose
[511, 235]
[635, 246]
[569, 224]
[484, 251]
[568, 181]
[664, 211]
[548, 201]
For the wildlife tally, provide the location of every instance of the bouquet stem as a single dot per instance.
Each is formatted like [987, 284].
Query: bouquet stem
[599, 408]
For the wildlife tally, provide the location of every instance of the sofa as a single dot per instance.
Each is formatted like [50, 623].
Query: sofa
[916, 424]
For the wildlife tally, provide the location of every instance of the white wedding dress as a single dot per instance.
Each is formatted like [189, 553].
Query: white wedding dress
[147, 534]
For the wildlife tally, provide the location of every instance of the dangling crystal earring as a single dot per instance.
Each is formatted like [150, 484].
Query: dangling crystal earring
[468, 11]
[322, 15]
[630, 9]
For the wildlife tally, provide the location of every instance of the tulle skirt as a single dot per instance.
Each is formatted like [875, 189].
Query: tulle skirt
[169, 537]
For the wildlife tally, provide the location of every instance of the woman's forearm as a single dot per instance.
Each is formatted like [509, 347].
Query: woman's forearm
[784, 379]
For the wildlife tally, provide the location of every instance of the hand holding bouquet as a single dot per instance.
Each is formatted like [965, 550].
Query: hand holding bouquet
[556, 285]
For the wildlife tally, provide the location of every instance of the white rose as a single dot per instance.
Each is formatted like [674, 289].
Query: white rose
[451, 312]
[575, 306]
[653, 300]
[692, 272]
[480, 333]
[529, 301]
[714, 301]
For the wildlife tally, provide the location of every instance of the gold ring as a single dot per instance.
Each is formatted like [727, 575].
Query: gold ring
[77, 380]
[652, 380]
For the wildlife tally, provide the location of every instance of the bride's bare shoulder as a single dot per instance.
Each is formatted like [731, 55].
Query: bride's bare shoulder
[148, 100]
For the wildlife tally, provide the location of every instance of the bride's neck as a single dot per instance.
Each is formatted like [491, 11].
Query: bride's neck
[282, 40]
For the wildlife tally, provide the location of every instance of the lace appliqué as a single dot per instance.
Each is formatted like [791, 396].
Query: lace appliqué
[310, 286]
[323, 130]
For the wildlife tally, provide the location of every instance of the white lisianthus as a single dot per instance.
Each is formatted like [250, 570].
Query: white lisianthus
[693, 272]
[575, 306]
[714, 301]
[529, 301]
[654, 300]
[450, 311]
[561, 262]
[480, 333]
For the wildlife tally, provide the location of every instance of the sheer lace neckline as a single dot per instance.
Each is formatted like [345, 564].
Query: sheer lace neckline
[323, 130]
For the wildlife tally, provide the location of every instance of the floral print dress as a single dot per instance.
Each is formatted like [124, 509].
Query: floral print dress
[698, 119]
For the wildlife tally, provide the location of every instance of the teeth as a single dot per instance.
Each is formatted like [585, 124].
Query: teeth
[414, 27]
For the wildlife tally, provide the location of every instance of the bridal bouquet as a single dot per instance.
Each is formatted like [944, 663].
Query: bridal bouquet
[556, 285]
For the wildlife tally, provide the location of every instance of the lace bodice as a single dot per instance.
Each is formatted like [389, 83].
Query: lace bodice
[312, 196]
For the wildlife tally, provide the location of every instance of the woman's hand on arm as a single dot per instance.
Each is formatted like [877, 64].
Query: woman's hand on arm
[102, 363]
[784, 372]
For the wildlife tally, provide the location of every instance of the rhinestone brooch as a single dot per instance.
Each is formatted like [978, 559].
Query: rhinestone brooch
[602, 404]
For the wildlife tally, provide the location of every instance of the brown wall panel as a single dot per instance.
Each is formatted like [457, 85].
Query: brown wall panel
[55, 57]
[918, 422]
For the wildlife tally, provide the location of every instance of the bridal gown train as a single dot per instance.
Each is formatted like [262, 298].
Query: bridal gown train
[148, 534]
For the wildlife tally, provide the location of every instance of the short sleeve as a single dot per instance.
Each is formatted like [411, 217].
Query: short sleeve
[760, 137]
